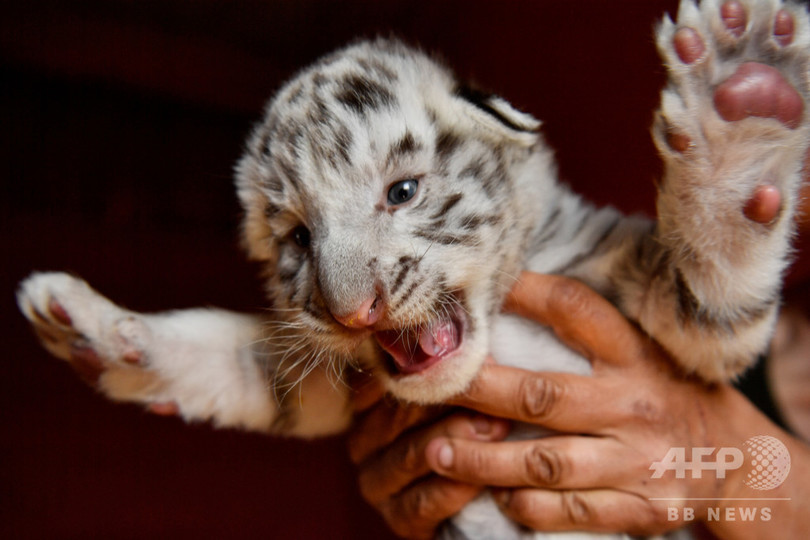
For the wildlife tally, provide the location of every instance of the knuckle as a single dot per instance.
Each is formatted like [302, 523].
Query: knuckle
[471, 460]
[649, 411]
[538, 397]
[652, 520]
[569, 297]
[409, 459]
[543, 466]
[575, 508]
[421, 505]
[414, 513]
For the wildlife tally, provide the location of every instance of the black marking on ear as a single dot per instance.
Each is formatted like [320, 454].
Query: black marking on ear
[482, 100]
[449, 203]
[362, 94]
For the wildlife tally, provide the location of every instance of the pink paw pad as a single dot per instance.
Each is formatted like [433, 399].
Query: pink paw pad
[764, 205]
[688, 44]
[86, 362]
[758, 90]
[59, 313]
[734, 17]
[783, 28]
[134, 358]
[168, 408]
[680, 142]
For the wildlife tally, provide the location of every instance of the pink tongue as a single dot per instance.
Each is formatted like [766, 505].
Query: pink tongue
[415, 350]
[441, 338]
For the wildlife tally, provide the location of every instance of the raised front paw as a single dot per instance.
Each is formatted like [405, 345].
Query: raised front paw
[735, 108]
[198, 364]
[75, 323]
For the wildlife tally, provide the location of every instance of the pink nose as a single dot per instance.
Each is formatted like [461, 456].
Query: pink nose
[366, 315]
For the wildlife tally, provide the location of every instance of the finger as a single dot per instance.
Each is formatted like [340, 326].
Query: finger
[594, 510]
[558, 401]
[383, 423]
[559, 462]
[419, 510]
[404, 461]
[580, 317]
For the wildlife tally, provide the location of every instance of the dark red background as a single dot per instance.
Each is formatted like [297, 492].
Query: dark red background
[121, 121]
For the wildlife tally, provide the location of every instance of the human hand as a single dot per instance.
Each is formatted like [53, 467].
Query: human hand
[388, 444]
[595, 474]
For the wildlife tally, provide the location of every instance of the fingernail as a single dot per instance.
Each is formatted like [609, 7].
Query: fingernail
[446, 456]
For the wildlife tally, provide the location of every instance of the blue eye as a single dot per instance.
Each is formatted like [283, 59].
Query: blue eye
[402, 192]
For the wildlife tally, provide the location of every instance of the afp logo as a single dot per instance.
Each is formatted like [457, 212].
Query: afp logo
[766, 457]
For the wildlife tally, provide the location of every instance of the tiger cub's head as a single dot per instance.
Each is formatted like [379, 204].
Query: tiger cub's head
[391, 206]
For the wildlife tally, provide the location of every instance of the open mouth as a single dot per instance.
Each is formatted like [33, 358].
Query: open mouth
[417, 348]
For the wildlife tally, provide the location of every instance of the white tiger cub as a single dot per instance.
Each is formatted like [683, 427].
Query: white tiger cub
[394, 208]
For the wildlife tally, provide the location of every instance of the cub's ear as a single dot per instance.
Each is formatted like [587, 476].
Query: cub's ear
[492, 114]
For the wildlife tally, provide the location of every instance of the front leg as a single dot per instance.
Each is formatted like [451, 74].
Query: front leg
[203, 364]
[733, 133]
